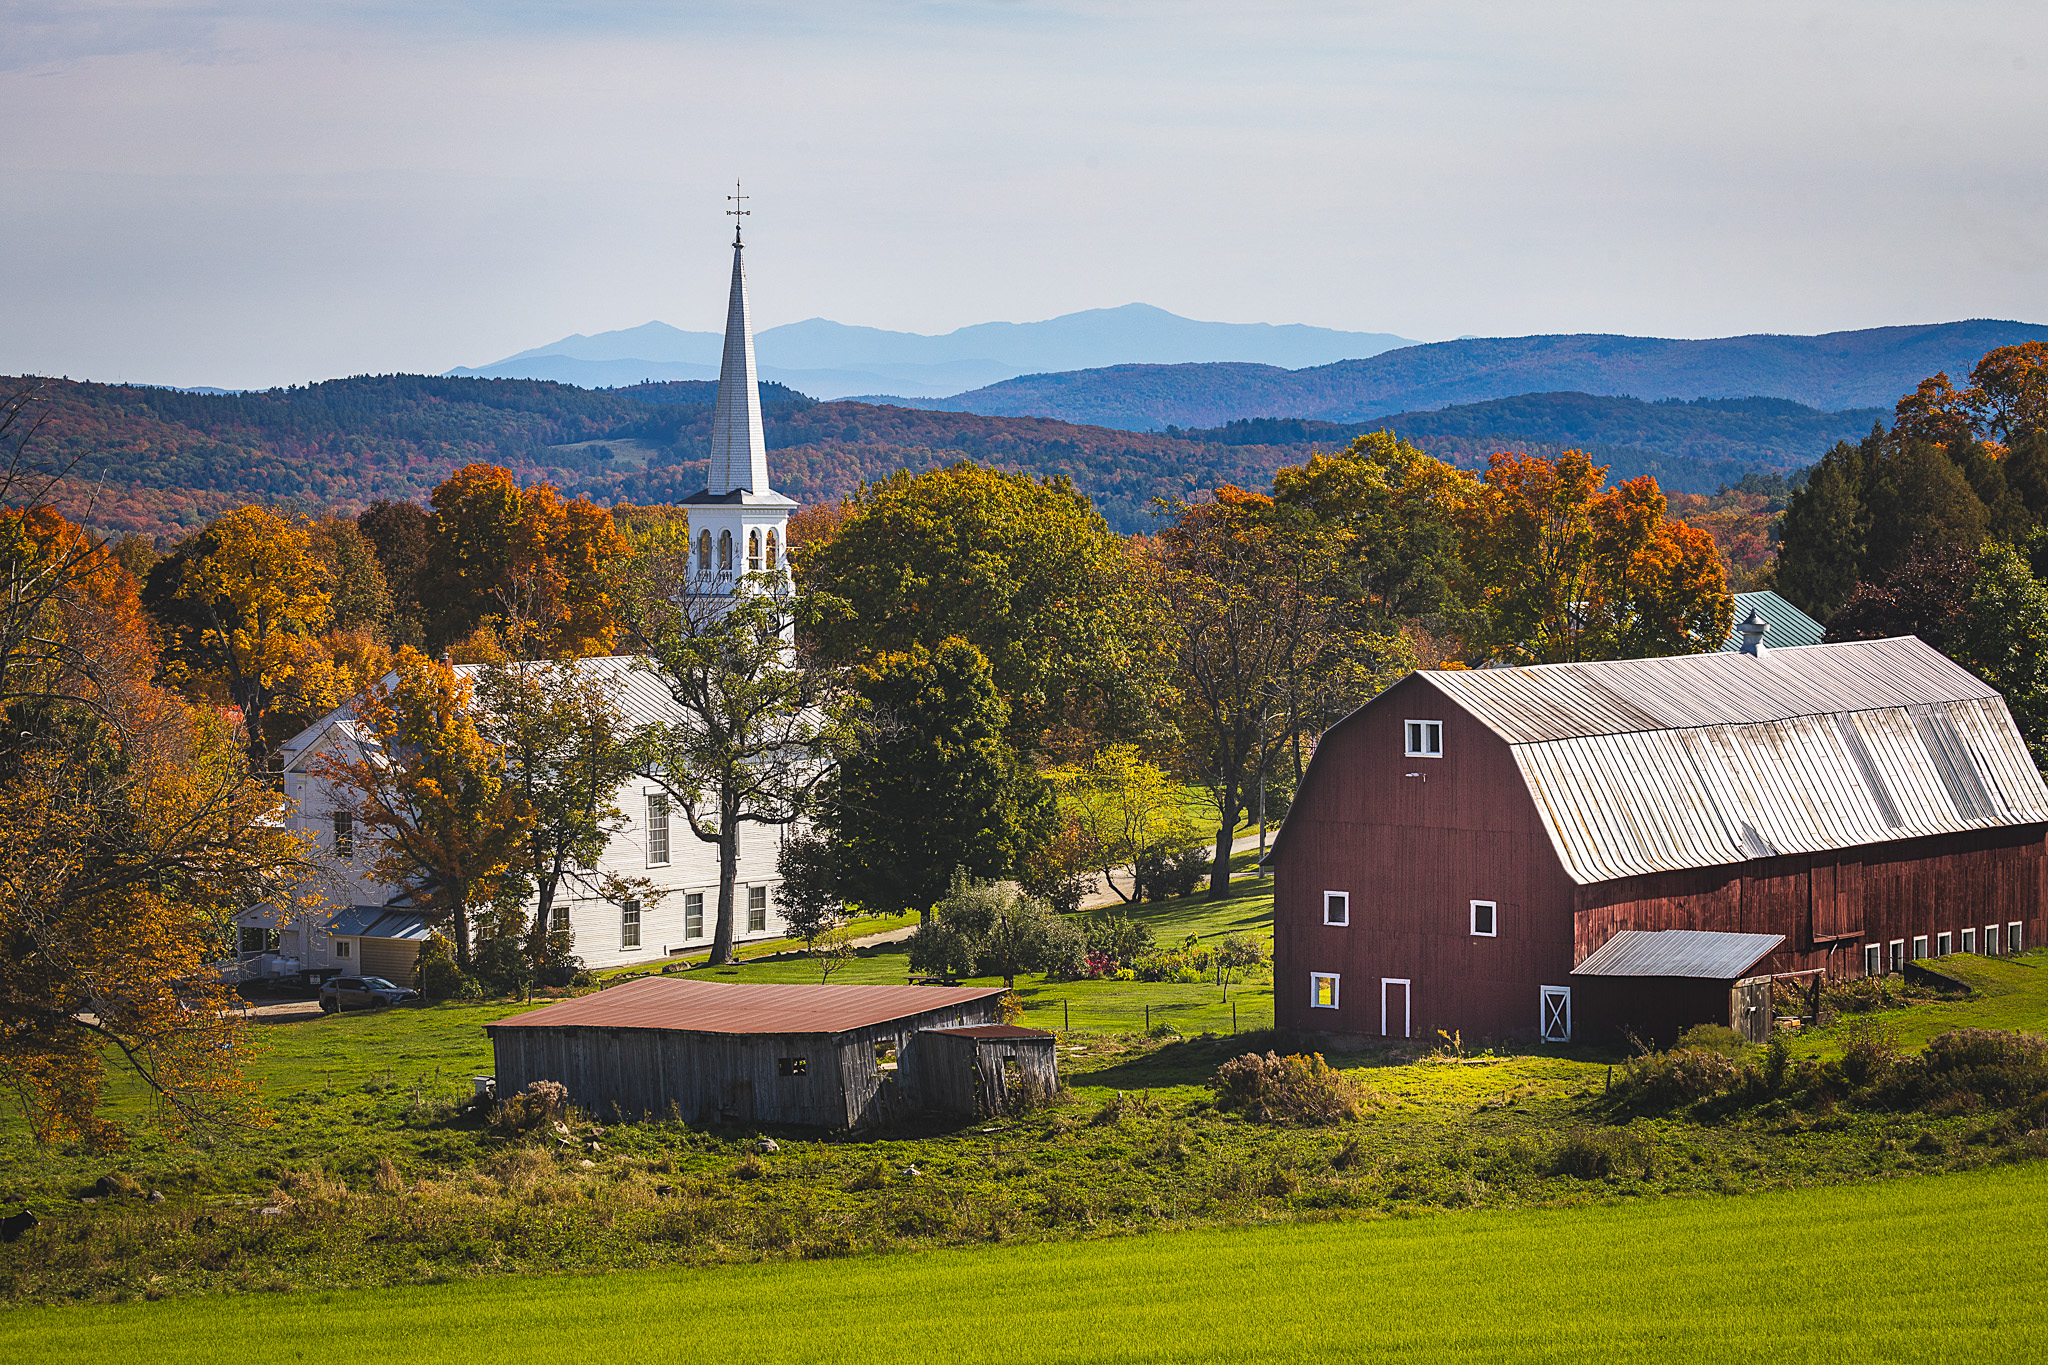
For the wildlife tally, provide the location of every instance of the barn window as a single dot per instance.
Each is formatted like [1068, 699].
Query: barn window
[1873, 960]
[753, 552]
[793, 1066]
[344, 834]
[2012, 937]
[1991, 940]
[1336, 907]
[693, 915]
[1483, 919]
[657, 829]
[1322, 990]
[1969, 940]
[1554, 1013]
[757, 909]
[1942, 945]
[1425, 739]
[629, 925]
[1898, 955]
[1919, 946]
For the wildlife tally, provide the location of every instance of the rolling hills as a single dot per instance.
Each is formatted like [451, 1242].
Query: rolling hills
[161, 461]
[1860, 369]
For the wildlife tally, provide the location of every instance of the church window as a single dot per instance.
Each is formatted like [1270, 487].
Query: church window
[704, 553]
[753, 552]
[725, 552]
[771, 551]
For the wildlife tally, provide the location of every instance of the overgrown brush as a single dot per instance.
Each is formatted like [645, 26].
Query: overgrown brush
[1294, 1089]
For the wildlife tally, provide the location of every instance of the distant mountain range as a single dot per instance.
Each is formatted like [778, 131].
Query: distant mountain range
[833, 360]
[1834, 371]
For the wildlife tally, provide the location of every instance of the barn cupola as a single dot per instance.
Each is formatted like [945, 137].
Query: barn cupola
[1752, 628]
[739, 522]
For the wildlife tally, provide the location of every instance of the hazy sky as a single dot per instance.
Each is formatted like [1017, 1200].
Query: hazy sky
[259, 191]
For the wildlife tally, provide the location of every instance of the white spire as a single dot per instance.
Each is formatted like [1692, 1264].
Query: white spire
[739, 453]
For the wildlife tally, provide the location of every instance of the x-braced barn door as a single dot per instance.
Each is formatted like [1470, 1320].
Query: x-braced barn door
[1393, 1007]
[1557, 1014]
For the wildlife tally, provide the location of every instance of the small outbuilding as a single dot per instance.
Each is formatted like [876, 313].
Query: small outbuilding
[819, 1056]
[1654, 984]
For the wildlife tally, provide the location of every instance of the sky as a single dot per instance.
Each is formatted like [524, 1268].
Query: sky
[257, 192]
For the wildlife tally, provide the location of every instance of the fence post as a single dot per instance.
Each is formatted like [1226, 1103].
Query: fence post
[1233, 1016]
[1148, 1018]
[1066, 1016]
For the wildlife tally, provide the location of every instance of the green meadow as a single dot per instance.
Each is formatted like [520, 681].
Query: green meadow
[1939, 1269]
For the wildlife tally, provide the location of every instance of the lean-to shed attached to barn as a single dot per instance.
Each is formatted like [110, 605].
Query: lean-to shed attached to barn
[1467, 842]
[717, 1052]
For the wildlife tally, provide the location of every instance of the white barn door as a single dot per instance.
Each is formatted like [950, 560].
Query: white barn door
[1557, 1014]
[1394, 1011]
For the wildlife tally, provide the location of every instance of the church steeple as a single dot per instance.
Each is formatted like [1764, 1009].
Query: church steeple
[739, 452]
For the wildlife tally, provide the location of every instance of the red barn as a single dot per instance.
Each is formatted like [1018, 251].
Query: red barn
[1465, 846]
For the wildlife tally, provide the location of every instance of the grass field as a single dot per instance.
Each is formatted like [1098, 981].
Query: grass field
[1938, 1269]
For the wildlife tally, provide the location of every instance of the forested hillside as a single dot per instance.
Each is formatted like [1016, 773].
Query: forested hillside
[160, 461]
[1836, 370]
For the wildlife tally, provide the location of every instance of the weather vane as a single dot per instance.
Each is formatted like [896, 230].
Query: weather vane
[735, 199]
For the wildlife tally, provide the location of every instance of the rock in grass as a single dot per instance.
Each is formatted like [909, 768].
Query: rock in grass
[767, 1145]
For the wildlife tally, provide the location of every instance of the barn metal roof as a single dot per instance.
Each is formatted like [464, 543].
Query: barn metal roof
[1787, 625]
[732, 1007]
[1657, 765]
[995, 1031]
[1678, 952]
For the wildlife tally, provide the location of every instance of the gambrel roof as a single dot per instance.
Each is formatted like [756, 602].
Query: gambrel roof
[1656, 765]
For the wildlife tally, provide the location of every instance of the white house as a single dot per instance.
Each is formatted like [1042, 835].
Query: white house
[740, 526]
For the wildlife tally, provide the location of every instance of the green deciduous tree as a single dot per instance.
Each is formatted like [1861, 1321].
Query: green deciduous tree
[992, 929]
[931, 787]
[1125, 809]
[2006, 639]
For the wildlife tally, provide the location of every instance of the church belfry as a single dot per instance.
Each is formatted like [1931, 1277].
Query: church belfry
[739, 523]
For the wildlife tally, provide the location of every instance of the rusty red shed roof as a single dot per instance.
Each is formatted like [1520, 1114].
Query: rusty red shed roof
[994, 1031]
[731, 1007]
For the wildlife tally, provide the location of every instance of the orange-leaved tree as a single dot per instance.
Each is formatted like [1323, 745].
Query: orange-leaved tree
[505, 556]
[130, 834]
[429, 792]
[1560, 568]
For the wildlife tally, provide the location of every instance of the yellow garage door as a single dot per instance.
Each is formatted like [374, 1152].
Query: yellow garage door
[390, 958]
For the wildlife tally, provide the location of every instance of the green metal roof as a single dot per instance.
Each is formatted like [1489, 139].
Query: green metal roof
[1787, 624]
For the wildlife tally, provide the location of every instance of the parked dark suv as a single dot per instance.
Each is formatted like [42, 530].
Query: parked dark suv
[363, 993]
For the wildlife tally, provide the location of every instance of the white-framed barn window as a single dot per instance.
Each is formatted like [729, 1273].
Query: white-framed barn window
[1969, 940]
[1943, 945]
[1425, 739]
[1485, 919]
[1991, 940]
[1873, 960]
[629, 925]
[693, 915]
[1322, 990]
[1919, 946]
[2012, 937]
[657, 829]
[757, 909]
[1898, 955]
[1555, 1013]
[1337, 907]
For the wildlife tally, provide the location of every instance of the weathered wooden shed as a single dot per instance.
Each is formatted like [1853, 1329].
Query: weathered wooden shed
[821, 1056]
[1462, 844]
[980, 1068]
[1657, 983]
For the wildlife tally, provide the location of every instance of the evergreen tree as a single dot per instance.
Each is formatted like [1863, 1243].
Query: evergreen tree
[1826, 527]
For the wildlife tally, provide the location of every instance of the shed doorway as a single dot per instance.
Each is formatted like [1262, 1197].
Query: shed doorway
[1557, 1014]
[1393, 1007]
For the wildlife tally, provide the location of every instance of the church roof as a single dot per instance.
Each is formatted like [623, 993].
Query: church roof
[739, 451]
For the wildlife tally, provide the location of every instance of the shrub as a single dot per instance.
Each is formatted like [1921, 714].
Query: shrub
[1112, 936]
[1711, 1038]
[993, 929]
[1666, 1080]
[1296, 1089]
[1589, 1155]
[435, 970]
[1176, 967]
[2001, 1069]
[541, 1102]
[1870, 1050]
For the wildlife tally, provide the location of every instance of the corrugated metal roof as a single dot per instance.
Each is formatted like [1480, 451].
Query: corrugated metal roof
[733, 1007]
[378, 921]
[1789, 627]
[1678, 952]
[996, 1031]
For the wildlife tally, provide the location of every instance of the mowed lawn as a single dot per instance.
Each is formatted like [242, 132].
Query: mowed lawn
[1939, 1268]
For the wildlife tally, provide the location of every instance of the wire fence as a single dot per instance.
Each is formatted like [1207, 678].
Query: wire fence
[1249, 1014]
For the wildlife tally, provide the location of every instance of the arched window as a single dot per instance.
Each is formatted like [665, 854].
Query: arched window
[753, 552]
[725, 552]
[771, 551]
[704, 553]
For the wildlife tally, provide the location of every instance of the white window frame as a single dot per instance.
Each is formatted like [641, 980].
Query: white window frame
[1315, 979]
[1969, 944]
[1492, 919]
[1919, 947]
[2013, 936]
[1415, 737]
[1991, 940]
[1544, 995]
[344, 948]
[1873, 959]
[660, 800]
[1407, 1005]
[698, 897]
[629, 925]
[1898, 956]
[1944, 944]
[1341, 900]
[757, 912]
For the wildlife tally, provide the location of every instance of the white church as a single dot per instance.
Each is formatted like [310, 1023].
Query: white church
[739, 525]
